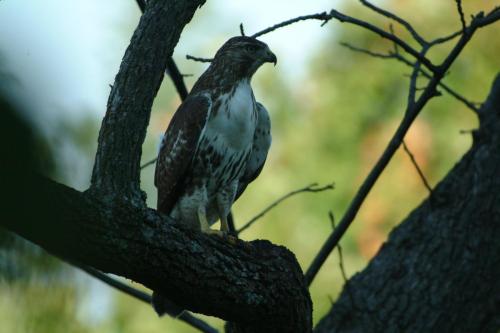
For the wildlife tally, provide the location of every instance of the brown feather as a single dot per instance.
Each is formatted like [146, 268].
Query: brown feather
[178, 148]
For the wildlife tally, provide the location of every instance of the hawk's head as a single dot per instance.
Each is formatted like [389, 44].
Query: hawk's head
[246, 53]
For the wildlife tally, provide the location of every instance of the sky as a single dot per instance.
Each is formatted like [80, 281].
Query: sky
[65, 54]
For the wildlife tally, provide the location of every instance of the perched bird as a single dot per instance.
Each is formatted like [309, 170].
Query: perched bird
[217, 140]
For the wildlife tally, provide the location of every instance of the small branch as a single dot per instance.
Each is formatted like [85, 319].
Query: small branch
[150, 162]
[325, 17]
[415, 164]
[398, 19]
[387, 35]
[177, 78]
[190, 57]
[142, 296]
[312, 188]
[461, 14]
[367, 52]
[480, 20]
[413, 81]
[242, 30]
[445, 39]
[397, 56]
[341, 258]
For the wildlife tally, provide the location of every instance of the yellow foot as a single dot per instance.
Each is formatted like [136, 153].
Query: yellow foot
[209, 231]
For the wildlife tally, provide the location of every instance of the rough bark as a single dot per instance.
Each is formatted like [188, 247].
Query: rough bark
[257, 285]
[117, 163]
[439, 271]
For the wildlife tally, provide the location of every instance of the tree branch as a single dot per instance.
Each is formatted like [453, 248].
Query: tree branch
[399, 57]
[257, 285]
[312, 188]
[411, 113]
[117, 165]
[144, 297]
[437, 272]
[417, 167]
[398, 19]
[190, 57]
[325, 17]
[172, 69]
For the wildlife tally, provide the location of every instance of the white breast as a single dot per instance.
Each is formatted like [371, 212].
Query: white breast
[235, 121]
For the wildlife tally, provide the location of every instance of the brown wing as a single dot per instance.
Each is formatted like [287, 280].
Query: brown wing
[178, 148]
[261, 143]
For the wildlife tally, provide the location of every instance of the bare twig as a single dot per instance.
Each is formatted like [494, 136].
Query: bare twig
[368, 52]
[325, 17]
[190, 57]
[398, 19]
[341, 258]
[185, 316]
[242, 30]
[334, 14]
[445, 39]
[461, 14]
[439, 72]
[417, 167]
[312, 188]
[413, 80]
[399, 57]
[148, 163]
[387, 35]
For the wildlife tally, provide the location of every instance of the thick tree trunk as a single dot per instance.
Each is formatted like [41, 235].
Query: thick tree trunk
[440, 269]
[257, 285]
[116, 173]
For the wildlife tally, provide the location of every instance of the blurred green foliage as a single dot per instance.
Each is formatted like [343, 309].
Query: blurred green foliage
[330, 125]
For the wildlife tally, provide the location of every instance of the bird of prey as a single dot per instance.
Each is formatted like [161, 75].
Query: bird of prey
[217, 140]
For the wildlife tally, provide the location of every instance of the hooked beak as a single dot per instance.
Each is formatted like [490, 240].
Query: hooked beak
[270, 57]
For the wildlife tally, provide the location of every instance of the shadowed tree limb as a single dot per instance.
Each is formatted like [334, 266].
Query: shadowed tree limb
[412, 111]
[172, 69]
[399, 57]
[116, 173]
[417, 167]
[241, 282]
[312, 188]
[144, 297]
[438, 271]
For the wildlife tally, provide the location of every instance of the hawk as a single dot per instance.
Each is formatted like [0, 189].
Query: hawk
[217, 140]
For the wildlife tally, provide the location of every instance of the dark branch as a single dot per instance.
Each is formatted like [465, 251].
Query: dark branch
[172, 69]
[144, 297]
[190, 57]
[242, 30]
[116, 173]
[411, 113]
[412, 90]
[398, 19]
[312, 188]
[148, 163]
[461, 14]
[256, 285]
[399, 57]
[177, 78]
[417, 167]
[437, 271]
[325, 17]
